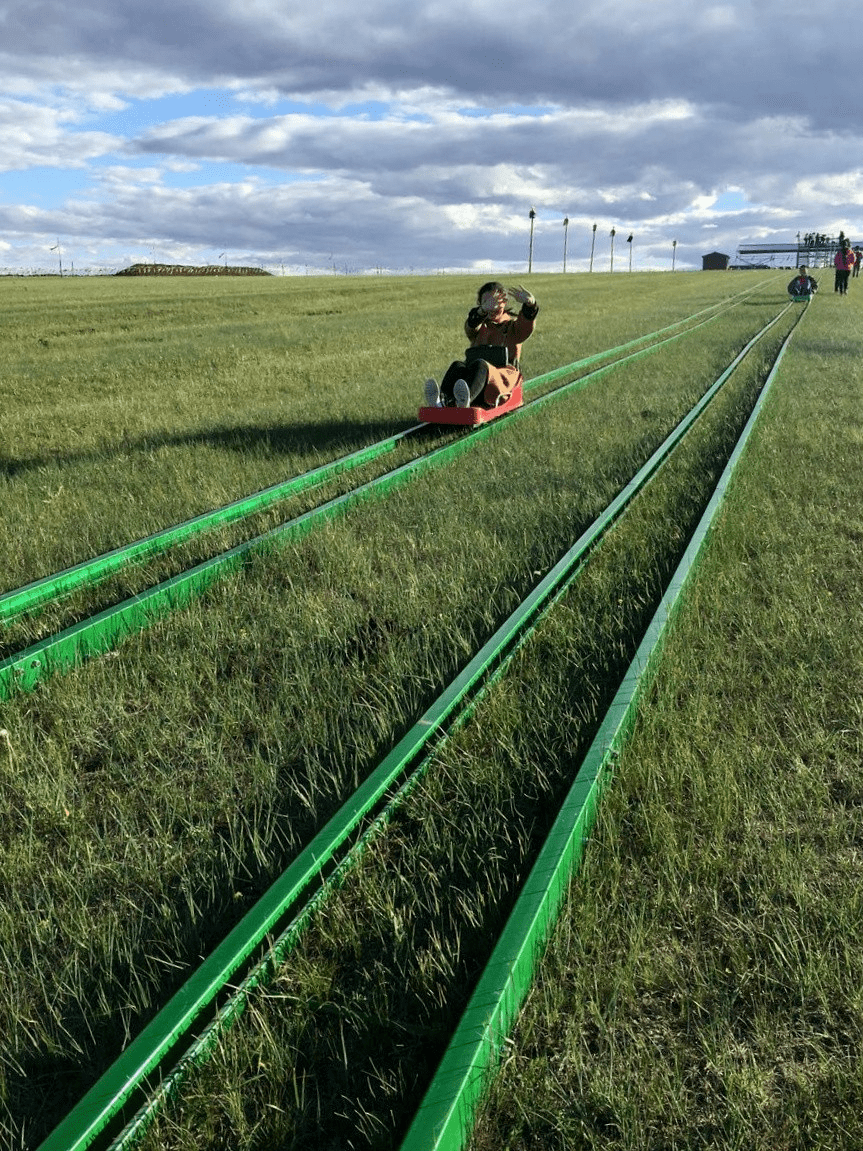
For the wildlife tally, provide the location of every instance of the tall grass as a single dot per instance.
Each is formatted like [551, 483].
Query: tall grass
[703, 987]
[149, 797]
[130, 405]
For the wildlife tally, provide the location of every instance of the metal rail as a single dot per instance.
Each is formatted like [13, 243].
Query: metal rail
[445, 1117]
[99, 633]
[51, 588]
[153, 1046]
[14, 604]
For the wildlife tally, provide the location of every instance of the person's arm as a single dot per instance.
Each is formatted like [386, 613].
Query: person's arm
[476, 317]
[525, 321]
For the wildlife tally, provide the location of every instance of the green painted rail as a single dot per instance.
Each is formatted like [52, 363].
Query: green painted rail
[445, 1117]
[14, 604]
[152, 1046]
[20, 601]
[99, 633]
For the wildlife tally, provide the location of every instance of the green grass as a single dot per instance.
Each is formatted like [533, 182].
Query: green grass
[338, 1050]
[703, 988]
[130, 405]
[150, 796]
[101, 510]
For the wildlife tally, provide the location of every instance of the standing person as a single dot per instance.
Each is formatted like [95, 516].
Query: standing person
[803, 284]
[490, 369]
[858, 256]
[843, 261]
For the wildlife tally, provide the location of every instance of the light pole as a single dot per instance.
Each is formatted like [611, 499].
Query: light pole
[673, 253]
[565, 237]
[629, 241]
[592, 246]
[530, 251]
[613, 234]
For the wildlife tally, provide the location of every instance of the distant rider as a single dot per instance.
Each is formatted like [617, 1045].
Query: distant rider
[803, 284]
[490, 370]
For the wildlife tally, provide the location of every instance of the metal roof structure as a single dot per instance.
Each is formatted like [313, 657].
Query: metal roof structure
[814, 251]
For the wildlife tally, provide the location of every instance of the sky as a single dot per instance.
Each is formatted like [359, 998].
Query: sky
[308, 137]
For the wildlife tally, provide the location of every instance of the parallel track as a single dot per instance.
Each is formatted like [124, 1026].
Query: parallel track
[340, 841]
[444, 1119]
[52, 588]
[101, 632]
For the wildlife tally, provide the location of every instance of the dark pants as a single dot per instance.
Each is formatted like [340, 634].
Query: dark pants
[841, 283]
[475, 375]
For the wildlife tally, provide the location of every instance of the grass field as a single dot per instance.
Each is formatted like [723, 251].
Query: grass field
[704, 986]
[130, 405]
[150, 796]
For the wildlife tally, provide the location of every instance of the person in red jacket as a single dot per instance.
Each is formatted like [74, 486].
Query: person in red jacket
[843, 261]
[491, 369]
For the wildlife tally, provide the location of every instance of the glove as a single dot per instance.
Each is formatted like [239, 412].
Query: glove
[523, 296]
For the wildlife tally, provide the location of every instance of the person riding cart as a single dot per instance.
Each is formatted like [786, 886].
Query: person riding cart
[803, 285]
[490, 370]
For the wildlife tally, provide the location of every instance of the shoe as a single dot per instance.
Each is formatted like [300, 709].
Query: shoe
[461, 392]
[432, 394]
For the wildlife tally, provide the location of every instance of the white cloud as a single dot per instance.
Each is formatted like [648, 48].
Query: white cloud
[719, 17]
[445, 123]
[34, 135]
[829, 190]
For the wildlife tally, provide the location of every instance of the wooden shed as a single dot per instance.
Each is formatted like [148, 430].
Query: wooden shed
[715, 262]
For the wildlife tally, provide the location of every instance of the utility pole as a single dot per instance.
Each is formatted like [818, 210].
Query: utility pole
[613, 234]
[565, 236]
[530, 251]
[592, 246]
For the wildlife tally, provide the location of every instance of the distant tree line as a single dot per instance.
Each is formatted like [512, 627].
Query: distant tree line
[189, 270]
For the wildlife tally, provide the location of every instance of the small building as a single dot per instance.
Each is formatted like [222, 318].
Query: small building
[715, 262]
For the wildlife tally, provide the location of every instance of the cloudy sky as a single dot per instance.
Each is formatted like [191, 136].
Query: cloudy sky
[418, 136]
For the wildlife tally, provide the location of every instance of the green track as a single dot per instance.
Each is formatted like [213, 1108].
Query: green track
[445, 1118]
[152, 1048]
[100, 633]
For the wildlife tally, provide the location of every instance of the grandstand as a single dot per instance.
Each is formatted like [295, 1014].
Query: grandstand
[814, 249]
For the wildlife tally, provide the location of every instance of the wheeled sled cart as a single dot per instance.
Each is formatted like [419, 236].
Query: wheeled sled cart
[466, 417]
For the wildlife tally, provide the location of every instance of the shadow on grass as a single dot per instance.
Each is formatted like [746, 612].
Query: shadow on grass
[386, 1018]
[405, 1040]
[327, 436]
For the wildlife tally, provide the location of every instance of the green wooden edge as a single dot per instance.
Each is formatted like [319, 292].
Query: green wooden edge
[104, 1101]
[445, 1117]
[19, 601]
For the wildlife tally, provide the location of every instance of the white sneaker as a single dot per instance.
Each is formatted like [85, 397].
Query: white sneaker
[432, 394]
[461, 392]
